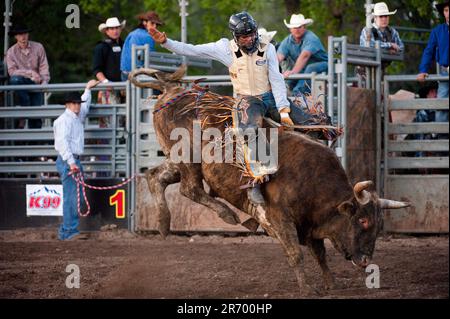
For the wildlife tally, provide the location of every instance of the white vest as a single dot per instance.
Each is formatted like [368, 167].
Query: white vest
[249, 73]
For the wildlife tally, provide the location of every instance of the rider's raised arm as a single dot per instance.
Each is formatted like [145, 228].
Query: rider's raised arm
[276, 79]
[219, 50]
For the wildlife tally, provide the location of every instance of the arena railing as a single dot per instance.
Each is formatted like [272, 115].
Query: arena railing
[30, 153]
[416, 161]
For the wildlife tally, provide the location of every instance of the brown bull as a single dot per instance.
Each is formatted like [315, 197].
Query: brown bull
[309, 199]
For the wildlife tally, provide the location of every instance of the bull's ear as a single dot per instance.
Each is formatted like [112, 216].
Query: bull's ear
[346, 208]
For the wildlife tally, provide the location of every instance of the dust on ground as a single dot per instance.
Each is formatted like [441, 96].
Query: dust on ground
[115, 263]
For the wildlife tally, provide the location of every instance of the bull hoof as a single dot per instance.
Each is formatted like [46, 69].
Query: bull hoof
[164, 228]
[251, 224]
[331, 285]
[230, 218]
[163, 232]
[309, 290]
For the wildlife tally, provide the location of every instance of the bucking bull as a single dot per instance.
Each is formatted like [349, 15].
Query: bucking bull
[309, 198]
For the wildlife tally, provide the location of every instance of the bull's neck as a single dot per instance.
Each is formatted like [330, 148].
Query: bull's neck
[329, 229]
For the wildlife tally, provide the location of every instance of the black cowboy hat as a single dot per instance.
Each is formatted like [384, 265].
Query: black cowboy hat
[19, 29]
[73, 97]
[440, 6]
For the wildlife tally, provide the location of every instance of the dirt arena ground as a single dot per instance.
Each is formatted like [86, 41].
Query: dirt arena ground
[118, 264]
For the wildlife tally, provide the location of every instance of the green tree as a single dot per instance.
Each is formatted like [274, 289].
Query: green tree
[70, 50]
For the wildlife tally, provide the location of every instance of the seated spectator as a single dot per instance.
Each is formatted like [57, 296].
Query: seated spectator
[437, 49]
[27, 64]
[304, 48]
[138, 37]
[381, 31]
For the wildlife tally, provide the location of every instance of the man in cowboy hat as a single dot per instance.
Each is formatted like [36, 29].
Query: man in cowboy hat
[68, 131]
[305, 50]
[108, 51]
[140, 37]
[437, 49]
[27, 64]
[106, 66]
[381, 31]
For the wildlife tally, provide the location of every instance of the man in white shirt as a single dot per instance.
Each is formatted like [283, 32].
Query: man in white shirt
[68, 130]
[254, 71]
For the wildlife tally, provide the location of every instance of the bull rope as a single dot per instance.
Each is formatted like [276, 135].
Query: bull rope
[79, 179]
[178, 97]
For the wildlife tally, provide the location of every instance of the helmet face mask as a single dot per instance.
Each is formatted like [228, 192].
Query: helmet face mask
[243, 24]
[247, 42]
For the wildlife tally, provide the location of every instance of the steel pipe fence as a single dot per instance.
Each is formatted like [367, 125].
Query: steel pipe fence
[30, 152]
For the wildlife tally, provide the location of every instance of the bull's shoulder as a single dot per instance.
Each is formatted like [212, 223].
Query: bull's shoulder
[303, 141]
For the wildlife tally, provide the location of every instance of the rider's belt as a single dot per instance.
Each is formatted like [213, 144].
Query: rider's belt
[257, 96]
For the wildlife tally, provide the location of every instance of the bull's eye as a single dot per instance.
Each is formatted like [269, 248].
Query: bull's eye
[364, 222]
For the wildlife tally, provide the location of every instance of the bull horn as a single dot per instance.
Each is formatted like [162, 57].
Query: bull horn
[392, 204]
[152, 85]
[178, 74]
[360, 192]
[146, 71]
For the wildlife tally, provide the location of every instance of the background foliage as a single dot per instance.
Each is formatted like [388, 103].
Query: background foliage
[70, 50]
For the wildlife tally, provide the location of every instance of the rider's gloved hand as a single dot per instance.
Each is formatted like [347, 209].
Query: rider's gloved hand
[285, 119]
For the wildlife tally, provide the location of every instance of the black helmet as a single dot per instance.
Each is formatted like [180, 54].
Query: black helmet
[243, 24]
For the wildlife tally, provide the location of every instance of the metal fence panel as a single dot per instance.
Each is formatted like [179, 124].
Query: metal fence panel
[429, 197]
[411, 176]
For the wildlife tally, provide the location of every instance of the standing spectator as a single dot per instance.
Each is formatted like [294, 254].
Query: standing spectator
[381, 31]
[437, 49]
[304, 48]
[139, 37]
[107, 58]
[428, 91]
[27, 64]
[69, 143]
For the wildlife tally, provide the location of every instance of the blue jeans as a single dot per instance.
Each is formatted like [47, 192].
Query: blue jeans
[304, 86]
[423, 116]
[27, 98]
[442, 115]
[124, 75]
[69, 227]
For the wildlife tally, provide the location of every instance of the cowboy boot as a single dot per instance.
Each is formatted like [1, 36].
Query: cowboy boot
[254, 195]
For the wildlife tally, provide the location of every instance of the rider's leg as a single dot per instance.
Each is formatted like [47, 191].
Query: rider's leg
[251, 113]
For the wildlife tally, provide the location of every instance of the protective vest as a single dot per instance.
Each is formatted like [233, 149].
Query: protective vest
[107, 55]
[249, 73]
[387, 35]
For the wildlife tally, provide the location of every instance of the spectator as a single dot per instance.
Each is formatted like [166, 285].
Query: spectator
[69, 143]
[107, 58]
[138, 36]
[422, 116]
[437, 49]
[27, 64]
[381, 31]
[305, 50]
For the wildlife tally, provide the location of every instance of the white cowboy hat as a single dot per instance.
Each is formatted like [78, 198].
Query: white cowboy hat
[111, 23]
[297, 20]
[267, 35]
[381, 9]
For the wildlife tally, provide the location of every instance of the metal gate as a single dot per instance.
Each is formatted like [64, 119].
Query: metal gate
[420, 178]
